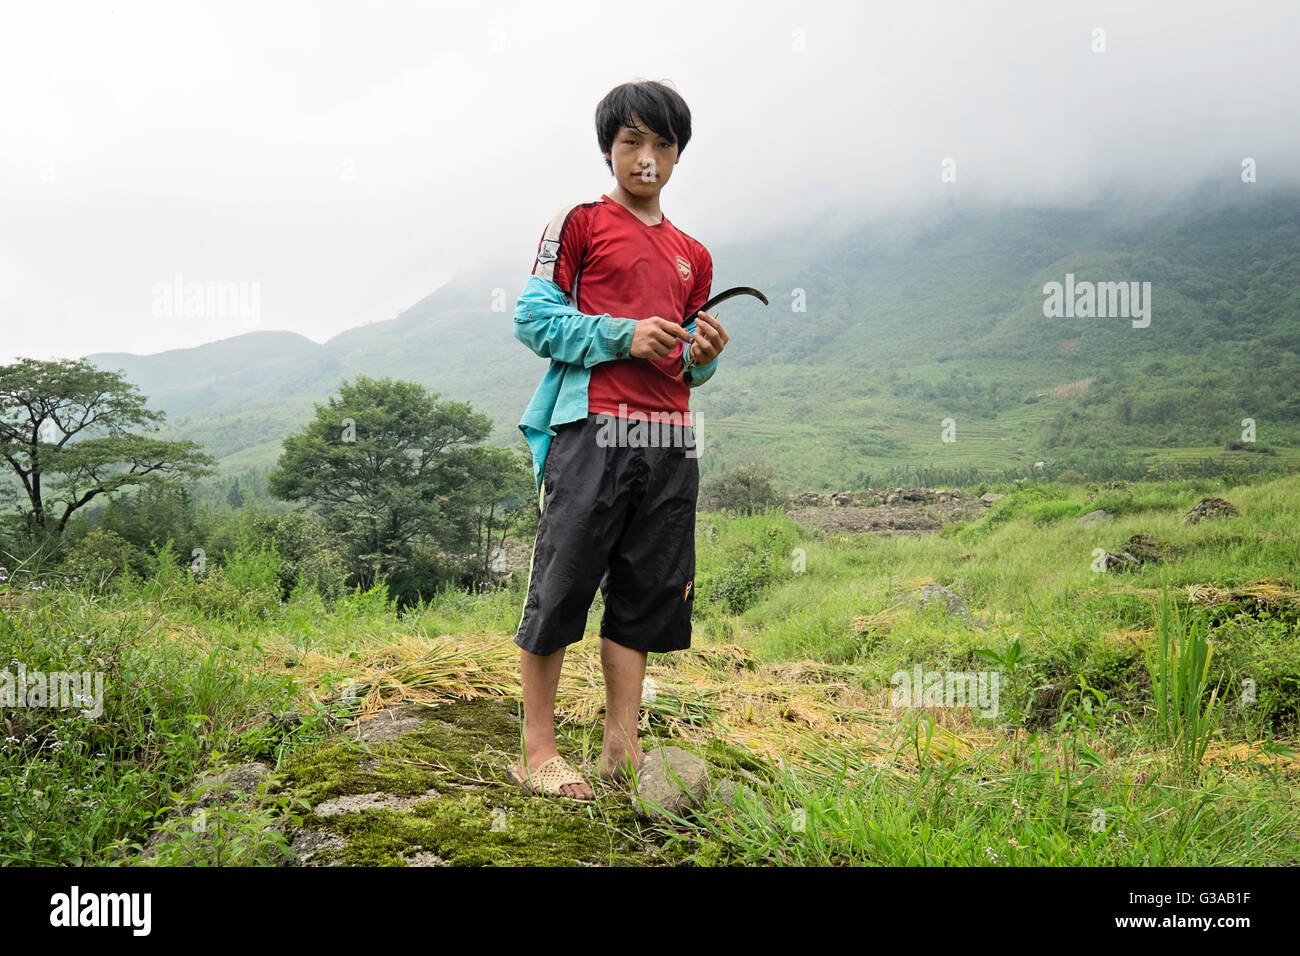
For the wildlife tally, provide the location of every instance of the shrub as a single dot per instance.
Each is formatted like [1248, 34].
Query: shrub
[309, 553]
[738, 586]
[743, 490]
[98, 558]
[217, 595]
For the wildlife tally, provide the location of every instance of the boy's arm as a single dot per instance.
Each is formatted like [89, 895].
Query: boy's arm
[545, 317]
[551, 327]
[694, 375]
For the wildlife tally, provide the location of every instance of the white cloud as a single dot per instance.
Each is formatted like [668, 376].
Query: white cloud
[350, 157]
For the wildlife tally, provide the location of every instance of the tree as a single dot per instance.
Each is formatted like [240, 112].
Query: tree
[746, 489]
[152, 516]
[501, 488]
[65, 432]
[387, 464]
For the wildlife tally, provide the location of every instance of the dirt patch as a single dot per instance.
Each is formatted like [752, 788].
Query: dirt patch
[1073, 389]
[885, 511]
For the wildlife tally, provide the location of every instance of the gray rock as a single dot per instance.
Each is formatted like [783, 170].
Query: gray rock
[239, 778]
[356, 802]
[1119, 562]
[989, 497]
[1094, 517]
[387, 724]
[932, 592]
[231, 786]
[727, 790]
[670, 782]
[307, 843]
[424, 858]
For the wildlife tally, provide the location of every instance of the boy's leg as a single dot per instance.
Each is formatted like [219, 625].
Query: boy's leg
[568, 560]
[624, 671]
[541, 680]
[649, 591]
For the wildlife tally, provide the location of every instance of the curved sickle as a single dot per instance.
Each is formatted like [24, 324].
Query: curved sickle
[722, 297]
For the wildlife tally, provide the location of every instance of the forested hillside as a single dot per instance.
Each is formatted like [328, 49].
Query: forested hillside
[905, 324]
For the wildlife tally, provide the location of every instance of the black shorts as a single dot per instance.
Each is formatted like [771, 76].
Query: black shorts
[621, 518]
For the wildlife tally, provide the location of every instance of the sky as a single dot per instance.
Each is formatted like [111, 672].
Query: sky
[332, 163]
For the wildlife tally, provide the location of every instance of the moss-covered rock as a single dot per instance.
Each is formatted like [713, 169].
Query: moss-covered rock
[453, 756]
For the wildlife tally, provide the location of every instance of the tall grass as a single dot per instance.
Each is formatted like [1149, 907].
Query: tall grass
[203, 667]
[1021, 803]
[1180, 677]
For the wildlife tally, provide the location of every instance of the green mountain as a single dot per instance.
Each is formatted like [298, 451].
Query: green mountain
[879, 337]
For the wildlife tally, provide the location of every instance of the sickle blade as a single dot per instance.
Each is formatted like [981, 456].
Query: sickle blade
[722, 297]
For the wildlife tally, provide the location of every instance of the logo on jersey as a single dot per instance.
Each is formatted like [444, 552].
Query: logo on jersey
[687, 593]
[684, 269]
[549, 252]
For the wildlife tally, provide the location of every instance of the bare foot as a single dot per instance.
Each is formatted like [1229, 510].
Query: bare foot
[625, 761]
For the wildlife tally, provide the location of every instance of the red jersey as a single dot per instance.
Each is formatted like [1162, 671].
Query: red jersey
[609, 261]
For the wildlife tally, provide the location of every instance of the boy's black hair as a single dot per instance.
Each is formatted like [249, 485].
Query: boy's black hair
[659, 106]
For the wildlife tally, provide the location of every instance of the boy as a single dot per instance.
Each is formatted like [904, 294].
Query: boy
[614, 514]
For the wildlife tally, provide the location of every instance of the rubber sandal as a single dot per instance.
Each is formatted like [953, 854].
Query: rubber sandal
[552, 775]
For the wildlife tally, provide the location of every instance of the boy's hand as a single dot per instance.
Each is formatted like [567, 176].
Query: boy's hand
[710, 339]
[655, 337]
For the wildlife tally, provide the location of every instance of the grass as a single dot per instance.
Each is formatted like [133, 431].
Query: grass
[1180, 682]
[1144, 718]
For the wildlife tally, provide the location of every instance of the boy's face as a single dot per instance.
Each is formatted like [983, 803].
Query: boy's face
[643, 161]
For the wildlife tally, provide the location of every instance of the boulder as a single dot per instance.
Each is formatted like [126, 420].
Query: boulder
[1119, 562]
[670, 782]
[933, 592]
[727, 790]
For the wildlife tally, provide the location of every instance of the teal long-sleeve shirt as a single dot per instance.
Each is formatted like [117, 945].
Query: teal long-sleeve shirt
[548, 324]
